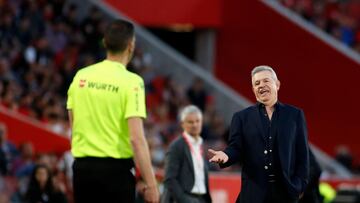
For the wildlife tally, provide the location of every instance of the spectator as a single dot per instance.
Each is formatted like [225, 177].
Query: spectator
[43, 44]
[23, 164]
[197, 94]
[41, 187]
[344, 157]
[8, 151]
[338, 18]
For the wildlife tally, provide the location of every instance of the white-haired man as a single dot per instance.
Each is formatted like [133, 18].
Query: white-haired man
[186, 172]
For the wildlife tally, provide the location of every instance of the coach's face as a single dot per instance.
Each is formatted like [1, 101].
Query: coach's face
[192, 124]
[265, 87]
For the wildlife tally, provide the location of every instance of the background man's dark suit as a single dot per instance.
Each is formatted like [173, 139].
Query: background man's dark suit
[179, 174]
[247, 145]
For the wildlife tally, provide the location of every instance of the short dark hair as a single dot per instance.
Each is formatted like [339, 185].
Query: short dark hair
[117, 35]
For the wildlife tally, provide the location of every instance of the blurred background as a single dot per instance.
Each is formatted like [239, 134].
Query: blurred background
[188, 52]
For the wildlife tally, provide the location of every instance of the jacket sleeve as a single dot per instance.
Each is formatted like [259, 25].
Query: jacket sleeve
[173, 162]
[302, 152]
[235, 141]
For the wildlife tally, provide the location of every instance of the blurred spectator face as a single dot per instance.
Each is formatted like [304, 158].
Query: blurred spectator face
[2, 133]
[8, 19]
[198, 85]
[192, 124]
[27, 150]
[4, 198]
[42, 43]
[25, 24]
[42, 176]
[265, 87]
[44, 159]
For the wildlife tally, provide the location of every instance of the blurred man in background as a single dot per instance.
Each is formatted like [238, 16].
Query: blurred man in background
[186, 172]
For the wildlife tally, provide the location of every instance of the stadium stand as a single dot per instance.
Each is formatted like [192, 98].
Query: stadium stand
[43, 43]
[340, 19]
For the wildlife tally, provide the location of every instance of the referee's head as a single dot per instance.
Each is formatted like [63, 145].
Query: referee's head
[119, 37]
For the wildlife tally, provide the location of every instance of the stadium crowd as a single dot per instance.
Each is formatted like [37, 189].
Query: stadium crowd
[42, 44]
[339, 18]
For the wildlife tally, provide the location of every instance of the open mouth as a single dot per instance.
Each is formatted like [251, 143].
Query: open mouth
[263, 92]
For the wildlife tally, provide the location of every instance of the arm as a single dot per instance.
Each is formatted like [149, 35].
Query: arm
[70, 114]
[173, 162]
[235, 143]
[142, 158]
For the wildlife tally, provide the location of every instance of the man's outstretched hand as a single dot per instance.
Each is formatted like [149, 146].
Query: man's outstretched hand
[218, 157]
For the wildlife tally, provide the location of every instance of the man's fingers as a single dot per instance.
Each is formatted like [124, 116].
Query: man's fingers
[213, 152]
[212, 159]
[216, 159]
[218, 156]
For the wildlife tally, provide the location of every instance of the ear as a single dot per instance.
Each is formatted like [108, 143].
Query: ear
[253, 89]
[252, 85]
[131, 44]
[182, 124]
[278, 84]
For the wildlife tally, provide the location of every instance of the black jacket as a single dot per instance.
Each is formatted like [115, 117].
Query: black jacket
[247, 145]
[179, 174]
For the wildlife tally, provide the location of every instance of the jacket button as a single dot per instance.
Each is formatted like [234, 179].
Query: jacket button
[265, 152]
[266, 167]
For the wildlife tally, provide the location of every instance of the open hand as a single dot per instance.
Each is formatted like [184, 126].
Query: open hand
[218, 156]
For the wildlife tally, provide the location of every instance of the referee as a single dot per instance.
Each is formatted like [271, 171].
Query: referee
[106, 105]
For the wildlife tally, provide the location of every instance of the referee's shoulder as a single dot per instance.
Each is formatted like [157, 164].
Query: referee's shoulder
[87, 69]
[134, 77]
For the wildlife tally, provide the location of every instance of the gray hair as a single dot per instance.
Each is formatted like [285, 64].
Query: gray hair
[188, 110]
[264, 68]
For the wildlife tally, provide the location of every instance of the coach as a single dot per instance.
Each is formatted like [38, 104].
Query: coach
[269, 139]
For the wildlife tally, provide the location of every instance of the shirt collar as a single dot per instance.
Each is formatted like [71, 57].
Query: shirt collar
[261, 105]
[192, 140]
[115, 63]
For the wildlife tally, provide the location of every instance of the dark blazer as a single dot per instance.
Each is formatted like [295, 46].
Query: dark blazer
[247, 145]
[179, 174]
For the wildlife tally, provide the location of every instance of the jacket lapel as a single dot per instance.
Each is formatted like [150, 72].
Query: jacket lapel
[282, 119]
[188, 156]
[258, 121]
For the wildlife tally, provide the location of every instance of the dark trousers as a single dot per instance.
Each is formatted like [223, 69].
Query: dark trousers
[103, 180]
[277, 193]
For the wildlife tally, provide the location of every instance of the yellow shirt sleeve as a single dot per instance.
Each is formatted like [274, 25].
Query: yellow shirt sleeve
[135, 100]
[69, 103]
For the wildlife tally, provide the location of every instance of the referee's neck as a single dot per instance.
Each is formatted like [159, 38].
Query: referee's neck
[120, 58]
